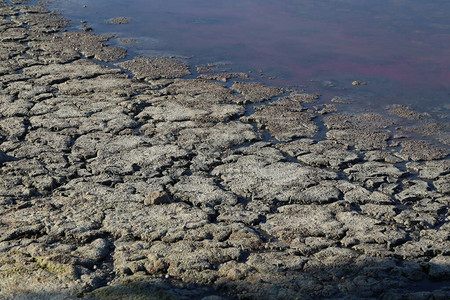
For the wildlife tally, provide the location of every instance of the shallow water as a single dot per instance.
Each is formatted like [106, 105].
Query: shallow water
[399, 48]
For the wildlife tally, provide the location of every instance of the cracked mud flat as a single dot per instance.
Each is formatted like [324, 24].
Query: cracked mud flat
[161, 187]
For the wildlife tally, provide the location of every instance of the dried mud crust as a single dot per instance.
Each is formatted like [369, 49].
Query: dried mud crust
[114, 186]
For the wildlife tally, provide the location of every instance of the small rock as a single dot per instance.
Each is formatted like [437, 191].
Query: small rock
[340, 100]
[158, 197]
[120, 20]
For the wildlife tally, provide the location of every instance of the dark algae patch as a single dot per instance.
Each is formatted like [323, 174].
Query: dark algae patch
[127, 177]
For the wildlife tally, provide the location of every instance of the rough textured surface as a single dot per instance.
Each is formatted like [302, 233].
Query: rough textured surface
[68, 46]
[404, 112]
[162, 187]
[284, 119]
[223, 76]
[145, 68]
[421, 150]
[254, 92]
[119, 20]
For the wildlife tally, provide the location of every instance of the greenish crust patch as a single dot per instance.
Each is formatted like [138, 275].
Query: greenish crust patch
[14, 271]
[52, 267]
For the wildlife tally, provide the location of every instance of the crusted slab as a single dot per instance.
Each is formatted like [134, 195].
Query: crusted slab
[145, 68]
[254, 92]
[421, 150]
[285, 120]
[68, 46]
[270, 179]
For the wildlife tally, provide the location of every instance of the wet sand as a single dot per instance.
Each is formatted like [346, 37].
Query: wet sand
[130, 179]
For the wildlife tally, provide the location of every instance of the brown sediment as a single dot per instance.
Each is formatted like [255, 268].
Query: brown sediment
[157, 185]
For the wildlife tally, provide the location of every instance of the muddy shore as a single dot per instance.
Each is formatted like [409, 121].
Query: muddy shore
[127, 180]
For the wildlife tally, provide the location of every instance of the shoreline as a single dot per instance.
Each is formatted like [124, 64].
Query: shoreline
[412, 121]
[373, 96]
[162, 186]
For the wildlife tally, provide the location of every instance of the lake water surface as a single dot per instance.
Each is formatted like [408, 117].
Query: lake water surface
[400, 48]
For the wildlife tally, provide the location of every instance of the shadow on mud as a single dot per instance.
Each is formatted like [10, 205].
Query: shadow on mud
[375, 278]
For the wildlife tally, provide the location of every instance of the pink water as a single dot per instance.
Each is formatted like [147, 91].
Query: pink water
[401, 48]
